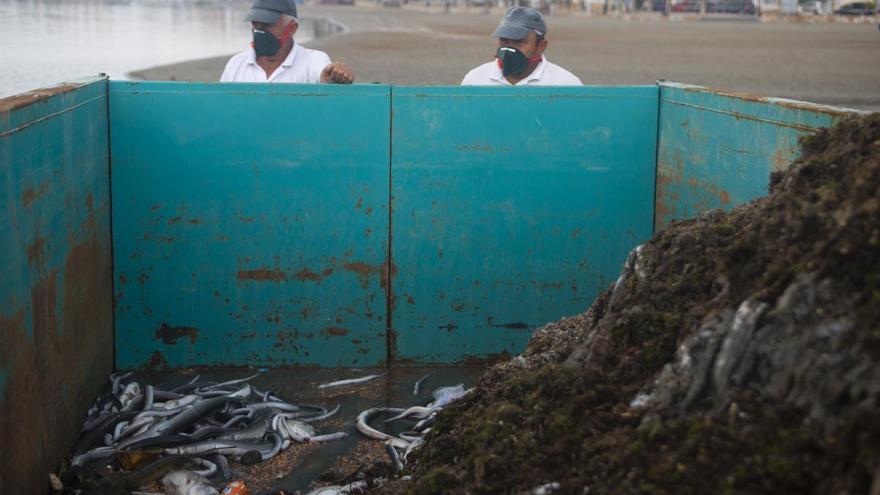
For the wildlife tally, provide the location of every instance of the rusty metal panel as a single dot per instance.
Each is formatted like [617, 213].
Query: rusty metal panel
[250, 223]
[56, 334]
[512, 207]
[717, 149]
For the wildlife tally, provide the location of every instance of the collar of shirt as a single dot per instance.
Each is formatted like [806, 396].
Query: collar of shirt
[536, 74]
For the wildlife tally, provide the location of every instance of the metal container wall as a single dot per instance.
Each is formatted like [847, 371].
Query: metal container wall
[56, 317]
[717, 149]
[250, 223]
[513, 207]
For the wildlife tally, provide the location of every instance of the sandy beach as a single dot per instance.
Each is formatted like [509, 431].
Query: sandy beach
[831, 63]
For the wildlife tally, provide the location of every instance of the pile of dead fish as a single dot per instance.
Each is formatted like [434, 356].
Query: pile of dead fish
[197, 424]
[400, 446]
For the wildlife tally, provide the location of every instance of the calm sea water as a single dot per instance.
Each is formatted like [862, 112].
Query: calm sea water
[43, 42]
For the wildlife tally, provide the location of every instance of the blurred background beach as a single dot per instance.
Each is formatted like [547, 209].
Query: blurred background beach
[832, 59]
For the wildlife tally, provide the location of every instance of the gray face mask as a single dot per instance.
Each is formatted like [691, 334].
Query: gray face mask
[512, 61]
[265, 43]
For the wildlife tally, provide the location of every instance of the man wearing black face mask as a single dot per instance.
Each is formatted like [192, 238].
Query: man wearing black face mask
[276, 57]
[519, 59]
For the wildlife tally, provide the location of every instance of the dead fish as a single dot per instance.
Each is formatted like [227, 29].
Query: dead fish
[227, 447]
[395, 457]
[309, 419]
[444, 396]
[292, 428]
[187, 483]
[350, 381]
[356, 487]
[367, 430]
[419, 412]
[329, 437]
[417, 387]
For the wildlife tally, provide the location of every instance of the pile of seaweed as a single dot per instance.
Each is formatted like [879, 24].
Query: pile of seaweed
[737, 353]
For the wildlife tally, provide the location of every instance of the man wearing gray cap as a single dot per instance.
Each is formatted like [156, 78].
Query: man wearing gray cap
[519, 60]
[276, 57]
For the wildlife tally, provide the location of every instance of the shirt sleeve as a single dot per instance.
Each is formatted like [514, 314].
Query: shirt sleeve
[469, 79]
[228, 72]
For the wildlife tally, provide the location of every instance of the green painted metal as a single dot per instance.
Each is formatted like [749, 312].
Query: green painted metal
[717, 149]
[512, 207]
[56, 334]
[250, 223]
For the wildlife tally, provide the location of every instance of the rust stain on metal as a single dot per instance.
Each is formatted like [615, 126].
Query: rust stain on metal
[410, 300]
[262, 275]
[36, 251]
[170, 335]
[364, 271]
[307, 275]
[157, 361]
[335, 331]
[782, 102]
[359, 203]
[722, 195]
[24, 99]
[29, 195]
[43, 297]
[385, 281]
[63, 358]
[246, 219]
[663, 211]
[155, 207]
[480, 148]
[174, 220]
[449, 327]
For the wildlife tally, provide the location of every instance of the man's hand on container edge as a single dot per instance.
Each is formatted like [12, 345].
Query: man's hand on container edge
[338, 73]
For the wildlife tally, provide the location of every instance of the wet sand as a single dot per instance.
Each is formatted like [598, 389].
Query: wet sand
[832, 63]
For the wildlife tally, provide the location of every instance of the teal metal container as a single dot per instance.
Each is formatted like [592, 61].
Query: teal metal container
[56, 306]
[512, 207]
[170, 224]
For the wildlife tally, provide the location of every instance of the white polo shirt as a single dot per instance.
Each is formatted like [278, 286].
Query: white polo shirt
[545, 74]
[302, 65]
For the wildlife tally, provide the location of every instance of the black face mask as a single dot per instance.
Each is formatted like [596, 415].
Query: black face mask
[512, 61]
[265, 43]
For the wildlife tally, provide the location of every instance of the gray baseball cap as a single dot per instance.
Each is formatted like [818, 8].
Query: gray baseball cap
[517, 23]
[269, 11]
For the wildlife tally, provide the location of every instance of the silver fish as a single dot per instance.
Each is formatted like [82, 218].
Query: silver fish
[350, 381]
[417, 387]
[366, 429]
